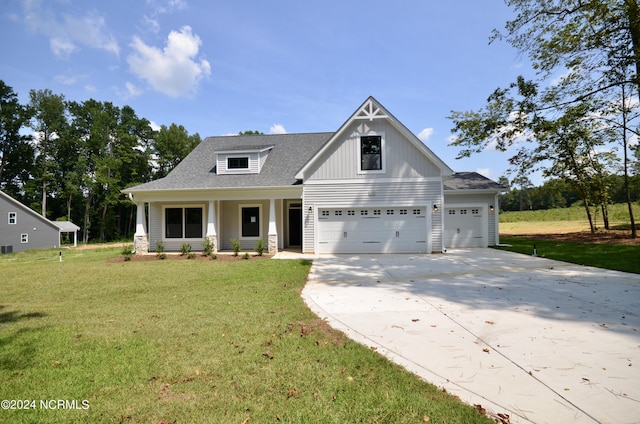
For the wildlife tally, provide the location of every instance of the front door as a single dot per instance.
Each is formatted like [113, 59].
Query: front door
[295, 226]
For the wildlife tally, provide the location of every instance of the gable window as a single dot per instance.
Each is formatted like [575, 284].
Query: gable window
[183, 223]
[371, 147]
[250, 221]
[13, 218]
[238, 163]
[24, 238]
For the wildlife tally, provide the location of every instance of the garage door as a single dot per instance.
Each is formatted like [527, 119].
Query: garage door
[463, 227]
[372, 230]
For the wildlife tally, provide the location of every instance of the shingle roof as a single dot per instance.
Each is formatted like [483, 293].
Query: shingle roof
[470, 181]
[197, 171]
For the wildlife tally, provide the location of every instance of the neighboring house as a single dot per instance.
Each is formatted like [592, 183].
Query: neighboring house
[22, 228]
[370, 187]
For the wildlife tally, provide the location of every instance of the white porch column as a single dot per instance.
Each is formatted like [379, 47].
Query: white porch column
[140, 242]
[212, 235]
[273, 231]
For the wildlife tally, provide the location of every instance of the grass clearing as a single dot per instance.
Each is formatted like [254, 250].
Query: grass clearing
[189, 341]
[620, 257]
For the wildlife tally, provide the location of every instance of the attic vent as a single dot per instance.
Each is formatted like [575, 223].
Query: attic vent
[370, 111]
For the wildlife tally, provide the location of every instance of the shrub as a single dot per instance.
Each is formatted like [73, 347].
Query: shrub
[160, 250]
[235, 243]
[126, 252]
[260, 247]
[185, 248]
[246, 255]
[191, 255]
[207, 247]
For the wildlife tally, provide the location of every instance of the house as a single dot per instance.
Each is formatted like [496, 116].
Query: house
[21, 228]
[370, 187]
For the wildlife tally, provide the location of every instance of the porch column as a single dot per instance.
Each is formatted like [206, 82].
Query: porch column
[140, 242]
[273, 231]
[212, 235]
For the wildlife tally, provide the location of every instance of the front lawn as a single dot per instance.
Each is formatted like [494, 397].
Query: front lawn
[620, 257]
[189, 341]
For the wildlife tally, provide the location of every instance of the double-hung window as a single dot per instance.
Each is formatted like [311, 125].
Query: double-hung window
[13, 218]
[183, 222]
[371, 154]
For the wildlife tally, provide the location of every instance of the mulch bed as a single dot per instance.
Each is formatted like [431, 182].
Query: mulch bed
[197, 257]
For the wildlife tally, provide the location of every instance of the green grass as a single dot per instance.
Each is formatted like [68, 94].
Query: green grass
[618, 257]
[618, 214]
[190, 341]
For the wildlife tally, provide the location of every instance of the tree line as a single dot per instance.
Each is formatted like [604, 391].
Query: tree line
[70, 160]
[578, 119]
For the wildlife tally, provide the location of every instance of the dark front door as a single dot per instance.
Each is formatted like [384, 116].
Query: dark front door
[295, 227]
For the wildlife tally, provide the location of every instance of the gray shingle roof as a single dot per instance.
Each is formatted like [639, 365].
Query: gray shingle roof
[470, 181]
[197, 171]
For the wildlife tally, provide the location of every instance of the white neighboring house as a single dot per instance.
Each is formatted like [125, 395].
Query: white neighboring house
[370, 187]
[22, 228]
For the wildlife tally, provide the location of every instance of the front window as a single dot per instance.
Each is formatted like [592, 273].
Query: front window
[183, 223]
[238, 163]
[371, 153]
[250, 217]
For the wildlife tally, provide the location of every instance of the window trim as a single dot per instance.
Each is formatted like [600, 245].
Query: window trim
[12, 216]
[383, 160]
[260, 226]
[238, 168]
[183, 207]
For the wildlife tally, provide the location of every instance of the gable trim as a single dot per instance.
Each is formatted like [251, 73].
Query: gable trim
[372, 109]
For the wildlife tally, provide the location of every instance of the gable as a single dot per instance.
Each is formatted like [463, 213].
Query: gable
[405, 155]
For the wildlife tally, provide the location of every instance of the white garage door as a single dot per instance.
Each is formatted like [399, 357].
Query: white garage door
[463, 227]
[372, 230]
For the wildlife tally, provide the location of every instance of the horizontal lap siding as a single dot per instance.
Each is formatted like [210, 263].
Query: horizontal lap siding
[368, 195]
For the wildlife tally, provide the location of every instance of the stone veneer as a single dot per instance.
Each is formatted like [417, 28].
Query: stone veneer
[141, 245]
[273, 244]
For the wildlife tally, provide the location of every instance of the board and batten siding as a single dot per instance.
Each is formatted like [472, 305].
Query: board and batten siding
[401, 158]
[418, 192]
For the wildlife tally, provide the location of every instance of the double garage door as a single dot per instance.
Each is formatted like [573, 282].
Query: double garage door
[372, 230]
[464, 227]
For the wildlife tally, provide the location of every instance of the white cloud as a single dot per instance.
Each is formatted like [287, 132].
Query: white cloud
[485, 172]
[173, 70]
[67, 79]
[68, 32]
[154, 126]
[425, 134]
[132, 90]
[277, 129]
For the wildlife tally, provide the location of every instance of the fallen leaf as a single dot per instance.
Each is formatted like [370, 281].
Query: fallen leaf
[486, 350]
[246, 420]
[350, 378]
[425, 418]
[489, 322]
[292, 392]
[267, 354]
[480, 409]
[415, 320]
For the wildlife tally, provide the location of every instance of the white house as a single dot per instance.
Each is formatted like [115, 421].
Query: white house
[370, 187]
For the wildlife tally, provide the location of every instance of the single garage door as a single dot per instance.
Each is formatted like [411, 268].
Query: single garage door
[463, 227]
[372, 230]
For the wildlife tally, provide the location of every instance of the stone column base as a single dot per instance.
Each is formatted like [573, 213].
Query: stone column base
[273, 244]
[214, 243]
[140, 245]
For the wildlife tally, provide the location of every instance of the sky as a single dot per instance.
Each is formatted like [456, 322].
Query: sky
[220, 67]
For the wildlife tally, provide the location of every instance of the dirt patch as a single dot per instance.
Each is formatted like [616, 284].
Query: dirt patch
[612, 237]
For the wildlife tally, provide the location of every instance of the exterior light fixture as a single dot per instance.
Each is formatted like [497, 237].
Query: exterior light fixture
[491, 208]
[435, 208]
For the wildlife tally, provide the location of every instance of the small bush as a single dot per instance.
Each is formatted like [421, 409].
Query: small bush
[191, 255]
[235, 243]
[185, 249]
[126, 252]
[246, 255]
[160, 250]
[207, 247]
[213, 256]
[260, 247]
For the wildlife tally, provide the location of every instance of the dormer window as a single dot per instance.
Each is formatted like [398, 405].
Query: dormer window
[242, 160]
[238, 163]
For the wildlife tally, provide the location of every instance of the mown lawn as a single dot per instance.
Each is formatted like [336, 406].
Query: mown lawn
[189, 341]
[618, 257]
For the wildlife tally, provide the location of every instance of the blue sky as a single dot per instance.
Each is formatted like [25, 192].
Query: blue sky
[220, 67]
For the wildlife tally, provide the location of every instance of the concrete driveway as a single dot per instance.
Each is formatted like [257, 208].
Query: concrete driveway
[540, 340]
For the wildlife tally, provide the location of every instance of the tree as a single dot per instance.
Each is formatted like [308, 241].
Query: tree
[48, 122]
[171, 145]
[594, 46]
[16, 153]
